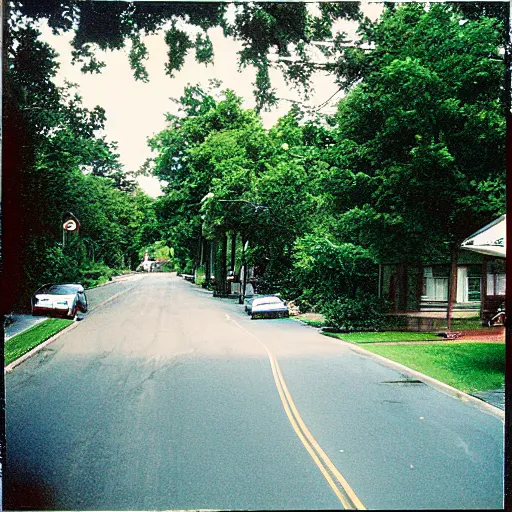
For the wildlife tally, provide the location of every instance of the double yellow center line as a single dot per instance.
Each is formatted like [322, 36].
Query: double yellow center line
[335, 479]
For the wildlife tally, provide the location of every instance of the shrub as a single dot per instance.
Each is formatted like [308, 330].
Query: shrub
[364, 312]
[188, 268]
[97, 274]
[324, 270]
[200, 275]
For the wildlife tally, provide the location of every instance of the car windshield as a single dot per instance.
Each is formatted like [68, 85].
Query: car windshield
[269, 300]
[59, 289]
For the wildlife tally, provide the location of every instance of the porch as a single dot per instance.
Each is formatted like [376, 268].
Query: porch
[431, 321]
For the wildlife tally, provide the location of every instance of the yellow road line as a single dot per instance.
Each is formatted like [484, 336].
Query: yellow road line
[298, 431]
[341, 488]
[355, 501]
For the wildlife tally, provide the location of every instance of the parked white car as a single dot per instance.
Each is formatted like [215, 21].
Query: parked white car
[269, 307]
[59, 300]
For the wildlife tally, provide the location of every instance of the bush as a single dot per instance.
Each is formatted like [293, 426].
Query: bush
[188, 268]
[364, 312]
[96, 275]
[200, 275]
[325, 270]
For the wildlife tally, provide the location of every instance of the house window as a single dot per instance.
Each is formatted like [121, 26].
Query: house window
[496, 284]
[473, 287]
[435, 284]
[434, 287]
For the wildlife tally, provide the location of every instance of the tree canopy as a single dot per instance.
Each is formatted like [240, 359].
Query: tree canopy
[412, 162]
[413, 158]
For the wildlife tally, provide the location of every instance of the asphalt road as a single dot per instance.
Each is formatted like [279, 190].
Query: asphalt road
[167, 398]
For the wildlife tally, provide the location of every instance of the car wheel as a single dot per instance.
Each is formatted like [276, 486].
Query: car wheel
[73, 312]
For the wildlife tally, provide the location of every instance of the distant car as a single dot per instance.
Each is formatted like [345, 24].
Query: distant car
[249, 300]
[269, 307]
[59, 300]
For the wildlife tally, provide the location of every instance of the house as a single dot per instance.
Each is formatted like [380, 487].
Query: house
[481, 279]
[424, 288]
[491, 242]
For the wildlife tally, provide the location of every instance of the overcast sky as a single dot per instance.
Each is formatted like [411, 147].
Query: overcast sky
[135, 110]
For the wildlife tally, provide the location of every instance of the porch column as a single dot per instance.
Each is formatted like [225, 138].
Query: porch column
[483, 290]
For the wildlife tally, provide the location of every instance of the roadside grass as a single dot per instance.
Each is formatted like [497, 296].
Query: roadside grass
[383, 337]
[20, 344]
[312, 319]
[312, 323]
[469, 367]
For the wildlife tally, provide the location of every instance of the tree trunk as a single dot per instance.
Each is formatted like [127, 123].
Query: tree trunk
[452, 284]
[233, 252]
[197, 263]
[223, 259]
[207, 272]
[243, 284]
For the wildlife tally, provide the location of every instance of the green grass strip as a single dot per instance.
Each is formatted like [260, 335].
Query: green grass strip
[20, 344]
[469, 367]
[312, 323]
[384, 337]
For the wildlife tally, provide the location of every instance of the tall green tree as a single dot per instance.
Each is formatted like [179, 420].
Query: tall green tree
[423, 133]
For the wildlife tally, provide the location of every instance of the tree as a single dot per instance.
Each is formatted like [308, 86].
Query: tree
[425, 129]
[290, 31]
[56, 161]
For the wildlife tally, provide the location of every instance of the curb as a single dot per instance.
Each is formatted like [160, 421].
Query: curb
[430, 381]
[39, 347]
[42, 345]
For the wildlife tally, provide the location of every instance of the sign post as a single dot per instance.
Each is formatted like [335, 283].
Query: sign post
[69, 223]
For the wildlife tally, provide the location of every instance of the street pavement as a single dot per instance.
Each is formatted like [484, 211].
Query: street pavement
[167, 398]
[22, 322]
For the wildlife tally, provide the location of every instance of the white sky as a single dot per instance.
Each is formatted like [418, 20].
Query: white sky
[135, 110]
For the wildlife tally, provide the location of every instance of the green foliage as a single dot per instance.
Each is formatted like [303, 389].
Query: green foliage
[200, 275]
[412, 160]
[204, 49]
[324, 271]
[52, 266]
[179, 43]
[96, 274]
[423, 132]
[361, 312]
[286, 28]
[64, 164]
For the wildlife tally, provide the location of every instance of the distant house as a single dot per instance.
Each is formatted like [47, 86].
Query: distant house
[481, 278]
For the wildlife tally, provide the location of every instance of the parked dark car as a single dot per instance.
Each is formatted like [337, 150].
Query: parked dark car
[59, 300]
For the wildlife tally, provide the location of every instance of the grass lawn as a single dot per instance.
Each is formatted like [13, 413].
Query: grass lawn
[18, 345]
[384, 337]
[469, 367]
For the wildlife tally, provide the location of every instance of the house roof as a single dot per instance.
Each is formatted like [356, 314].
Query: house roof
[489, 240]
